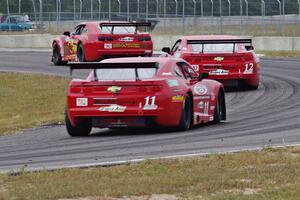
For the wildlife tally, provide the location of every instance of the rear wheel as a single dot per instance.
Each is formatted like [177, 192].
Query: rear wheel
[56, 57]
[218, 109]
[83, 128]
[186, 114]
[80, 53]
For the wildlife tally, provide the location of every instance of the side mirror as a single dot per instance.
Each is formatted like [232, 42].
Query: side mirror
[249, 47]
[67, 33]
[203, 76]
[166, 50]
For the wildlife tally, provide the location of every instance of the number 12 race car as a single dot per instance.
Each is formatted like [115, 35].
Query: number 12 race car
[228, 59]
[94, 41]
[142, 92]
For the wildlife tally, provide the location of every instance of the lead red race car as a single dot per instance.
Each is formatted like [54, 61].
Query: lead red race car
[228, 59]
[142, 92]
[94, 41]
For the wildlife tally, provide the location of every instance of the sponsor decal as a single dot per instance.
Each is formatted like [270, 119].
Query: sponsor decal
[150, 103]
[200, 104]
[70, 47]
[114, 89]
[195, 67]
[205, 97]
[113, 108]
[178, 98]
[108, 46]
[212, 107]
[219, 59]
[81, 102]
[126, 45]
[148, 51]
[211, 118]
[219, 72]
[167, 73]
[172, 83]
[200, 89]
[249, 68]
[126, 39]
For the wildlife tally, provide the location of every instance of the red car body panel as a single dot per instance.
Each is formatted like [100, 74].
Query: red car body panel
[226, 67]
[158, 99]
[110, 44]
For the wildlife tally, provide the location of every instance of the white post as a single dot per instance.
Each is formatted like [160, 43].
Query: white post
[202, 10]
[298, 7]
[195, 4]
[212, 7]
[229, 7]
[80, 10]
[176, 8]
[279, 3]
[165, 8]
[119, 2]
[99, 2]
[128, 17]
[138, 8]
[41, 13]
[92, 12]
[247, 7]
[109, 10]
[157, 8]
[147, 10]
[74, 10]
[20, 7]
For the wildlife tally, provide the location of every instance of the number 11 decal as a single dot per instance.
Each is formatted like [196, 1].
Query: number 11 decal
[150, 103]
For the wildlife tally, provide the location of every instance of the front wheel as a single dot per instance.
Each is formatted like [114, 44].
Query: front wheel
[83, 128]
[186, 114]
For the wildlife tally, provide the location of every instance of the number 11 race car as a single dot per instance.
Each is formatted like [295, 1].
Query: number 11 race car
[94, 41]
[228, 59]
[142, 92]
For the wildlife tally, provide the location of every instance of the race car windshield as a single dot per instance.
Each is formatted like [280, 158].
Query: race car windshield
[118, 29]
[125, 74]
[213, 48]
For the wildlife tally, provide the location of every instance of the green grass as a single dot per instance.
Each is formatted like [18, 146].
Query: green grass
[28, 100]
[268, 174]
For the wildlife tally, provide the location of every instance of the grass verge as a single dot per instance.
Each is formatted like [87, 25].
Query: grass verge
[28, 100]
[280, 54]
[268, 174]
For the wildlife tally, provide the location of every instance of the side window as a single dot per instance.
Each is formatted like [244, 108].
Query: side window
[188, 71]
[79, 29]
[84, 30]
[178, 72]
[176, 46]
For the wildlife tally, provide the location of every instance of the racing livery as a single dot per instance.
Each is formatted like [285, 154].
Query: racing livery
[142, 92]
[228, 59]
[94, 41]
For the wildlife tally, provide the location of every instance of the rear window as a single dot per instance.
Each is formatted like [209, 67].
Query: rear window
[125, 74]
[213, 48]
[118, 29]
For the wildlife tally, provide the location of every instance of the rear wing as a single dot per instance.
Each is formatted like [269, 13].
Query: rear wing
[99, 65]
[225, 41]
[136, 24]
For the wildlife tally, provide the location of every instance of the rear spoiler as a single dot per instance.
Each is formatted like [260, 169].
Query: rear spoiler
[225, 41]
[137, 24]
[99, 65]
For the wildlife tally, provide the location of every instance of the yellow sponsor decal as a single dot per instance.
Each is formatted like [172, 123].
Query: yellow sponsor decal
[178, 98]
[126, 45]
[114, 89]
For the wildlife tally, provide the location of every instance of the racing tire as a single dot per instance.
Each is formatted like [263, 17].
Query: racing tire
[80, 53]
[80, 129]
[186, 115]
[245, 86]
[56, 57]
[218, 109]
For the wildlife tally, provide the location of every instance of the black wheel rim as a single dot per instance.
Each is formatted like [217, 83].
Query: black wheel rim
[80, 54]
[187, 111]
[56, 55]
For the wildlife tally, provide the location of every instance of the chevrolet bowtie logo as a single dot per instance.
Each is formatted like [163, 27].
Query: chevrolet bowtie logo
[219, 59]
[114, 89]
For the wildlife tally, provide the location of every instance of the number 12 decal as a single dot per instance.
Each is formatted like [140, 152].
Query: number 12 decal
[150, 103]
[249, 68]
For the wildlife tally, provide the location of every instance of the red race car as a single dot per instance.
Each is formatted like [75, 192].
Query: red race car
[142, 92]
[228, 59]
[94, 41]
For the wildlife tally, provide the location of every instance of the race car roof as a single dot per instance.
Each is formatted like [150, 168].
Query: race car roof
[210, 37]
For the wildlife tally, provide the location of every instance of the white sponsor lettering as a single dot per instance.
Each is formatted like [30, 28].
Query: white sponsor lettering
[195, 67]
[126, 39]
[148, 105]
[248, 68]
[200, 89]
[219, 72]
[108, 46]
[113, 108]
[81, 102]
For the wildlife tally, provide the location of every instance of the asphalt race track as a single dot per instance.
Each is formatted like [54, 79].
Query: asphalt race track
[269, 116]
